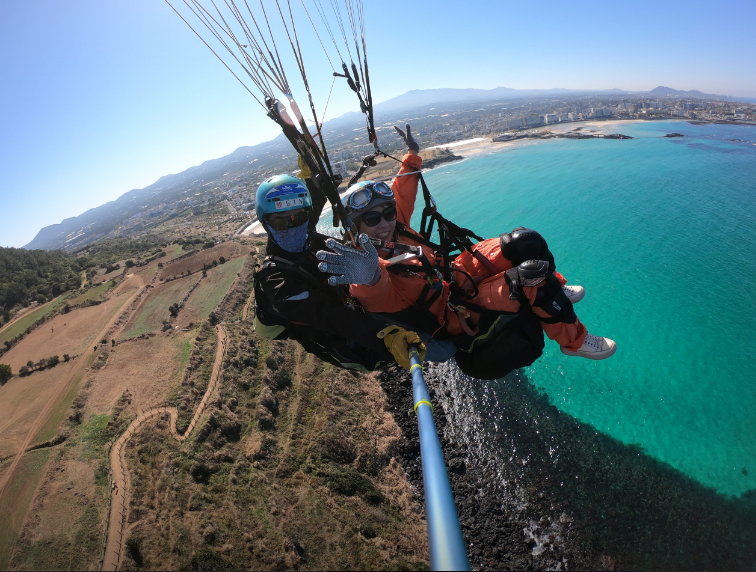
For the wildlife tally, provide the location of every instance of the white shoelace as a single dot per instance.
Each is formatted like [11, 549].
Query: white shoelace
[593, 341]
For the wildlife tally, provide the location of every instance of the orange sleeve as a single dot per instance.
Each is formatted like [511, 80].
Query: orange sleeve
[405, 188]
[383, 296]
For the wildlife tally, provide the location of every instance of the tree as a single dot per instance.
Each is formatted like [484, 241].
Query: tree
[66, 357]
[129, 264]
[23, 371]
[5, 373]
[174, 310]
[30, 364]
[222, 260]
[53, 361]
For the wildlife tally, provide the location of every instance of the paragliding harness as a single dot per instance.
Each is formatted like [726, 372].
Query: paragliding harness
[501, 341]
[256, 53]
[270, 324]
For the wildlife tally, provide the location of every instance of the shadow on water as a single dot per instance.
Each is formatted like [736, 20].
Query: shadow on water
[590, 501]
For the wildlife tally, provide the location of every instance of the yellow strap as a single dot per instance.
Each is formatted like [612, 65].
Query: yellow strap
[428, 403]
[414, 365]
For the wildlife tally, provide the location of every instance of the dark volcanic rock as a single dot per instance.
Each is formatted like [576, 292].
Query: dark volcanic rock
[674, 135]
[541, 490]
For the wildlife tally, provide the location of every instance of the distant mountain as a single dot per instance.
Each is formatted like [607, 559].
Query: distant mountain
[423, 97]
[99, 222]
[662, 91]
[102, 221]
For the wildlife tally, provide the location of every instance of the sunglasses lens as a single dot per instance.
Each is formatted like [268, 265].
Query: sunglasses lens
[372, 218]
[291, 221]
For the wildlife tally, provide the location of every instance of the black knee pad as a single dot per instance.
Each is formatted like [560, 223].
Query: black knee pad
[552, 299]
[525, 244]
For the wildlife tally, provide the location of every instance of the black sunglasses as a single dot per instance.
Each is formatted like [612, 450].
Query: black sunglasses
[372, 218]
[291, 221]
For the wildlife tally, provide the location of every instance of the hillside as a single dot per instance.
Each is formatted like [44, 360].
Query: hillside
[454, 112]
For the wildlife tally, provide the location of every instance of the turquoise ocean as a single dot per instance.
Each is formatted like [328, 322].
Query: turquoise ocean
[661, 232]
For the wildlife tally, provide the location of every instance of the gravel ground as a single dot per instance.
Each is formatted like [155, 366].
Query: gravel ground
[543, 491]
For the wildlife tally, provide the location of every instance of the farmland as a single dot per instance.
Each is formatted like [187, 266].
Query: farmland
[154, 309]
[209, 292]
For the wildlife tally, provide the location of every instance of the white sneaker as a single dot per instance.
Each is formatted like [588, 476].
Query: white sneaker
[574, 293]
[594, 347]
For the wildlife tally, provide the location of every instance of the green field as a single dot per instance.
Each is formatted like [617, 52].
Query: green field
[51, 426]
[21, 325]
[17, 498]
[172, 251]
[92, 293]
[211, 290]
[154, 310]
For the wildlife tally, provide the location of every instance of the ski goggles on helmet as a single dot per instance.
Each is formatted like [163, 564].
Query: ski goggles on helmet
[366, 192]
[372, 218]
[297, 218]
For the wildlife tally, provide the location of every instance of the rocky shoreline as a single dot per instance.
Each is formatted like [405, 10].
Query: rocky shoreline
[541, 490]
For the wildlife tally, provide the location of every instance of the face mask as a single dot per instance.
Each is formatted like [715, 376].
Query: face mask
[292, 239]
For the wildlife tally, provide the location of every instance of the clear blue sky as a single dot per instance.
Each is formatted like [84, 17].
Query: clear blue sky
[103, 96]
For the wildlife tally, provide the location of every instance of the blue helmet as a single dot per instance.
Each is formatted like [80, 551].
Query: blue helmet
[281, 193]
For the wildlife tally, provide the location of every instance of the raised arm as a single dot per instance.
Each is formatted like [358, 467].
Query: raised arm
[405, 187]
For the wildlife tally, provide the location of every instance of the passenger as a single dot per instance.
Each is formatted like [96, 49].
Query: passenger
[293, 298]
[517, 271]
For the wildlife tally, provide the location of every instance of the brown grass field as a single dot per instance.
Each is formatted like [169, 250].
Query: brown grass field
[70, 333]
[148, 369]
[21, 400]
[194, 263]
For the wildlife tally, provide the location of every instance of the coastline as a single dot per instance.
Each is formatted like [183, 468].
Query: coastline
[568, 497]
[477, 146]
[474, 147]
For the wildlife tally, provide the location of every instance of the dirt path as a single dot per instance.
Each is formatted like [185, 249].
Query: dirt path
[118, 469]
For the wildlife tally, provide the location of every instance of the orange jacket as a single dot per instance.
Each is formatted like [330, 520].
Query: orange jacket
[397, 292]
[413, 297]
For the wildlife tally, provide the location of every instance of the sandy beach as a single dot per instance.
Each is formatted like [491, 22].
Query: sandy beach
[483, 146]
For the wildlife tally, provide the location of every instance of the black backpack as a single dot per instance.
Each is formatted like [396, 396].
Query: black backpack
[510, 341]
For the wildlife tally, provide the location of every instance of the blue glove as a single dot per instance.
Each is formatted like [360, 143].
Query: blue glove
[351, 266]
[409, 141]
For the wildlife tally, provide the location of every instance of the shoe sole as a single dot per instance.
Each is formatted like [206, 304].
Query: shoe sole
[593, 355]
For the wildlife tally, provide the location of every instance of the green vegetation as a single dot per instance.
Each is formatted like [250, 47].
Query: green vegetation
[95, 434]
[92, 293]
[5, 373]
[27, 321]
[154, 309]
[37, 275]
[290, 468]
[50, 428]
[71, 550]
[44, 363]
[212, 289]
[112, 250]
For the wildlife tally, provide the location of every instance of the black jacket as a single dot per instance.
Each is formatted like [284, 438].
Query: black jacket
[291, 292]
